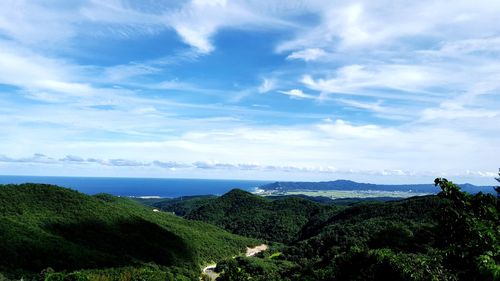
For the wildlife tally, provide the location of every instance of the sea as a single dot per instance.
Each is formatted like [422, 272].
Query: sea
[140, 187]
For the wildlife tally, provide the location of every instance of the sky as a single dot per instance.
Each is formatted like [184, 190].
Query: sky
[375, 91]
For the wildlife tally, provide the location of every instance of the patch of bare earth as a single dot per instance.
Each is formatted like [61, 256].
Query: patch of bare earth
[255, 250]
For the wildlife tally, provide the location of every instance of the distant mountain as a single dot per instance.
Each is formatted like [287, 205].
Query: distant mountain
[352, 185]
[108, 237]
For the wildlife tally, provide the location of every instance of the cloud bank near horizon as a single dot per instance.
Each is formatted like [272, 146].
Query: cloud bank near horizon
[305, 171]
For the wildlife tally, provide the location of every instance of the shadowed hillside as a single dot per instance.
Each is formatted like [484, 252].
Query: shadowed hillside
[451, 236]
[246, 214]
[45, 226]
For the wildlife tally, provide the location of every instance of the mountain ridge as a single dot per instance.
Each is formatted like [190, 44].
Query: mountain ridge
[341, 184]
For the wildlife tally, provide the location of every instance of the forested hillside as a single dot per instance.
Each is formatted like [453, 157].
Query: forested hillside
[250, 215]
[184, 205]
[452, 236]
[180, 206]
[53, 233]
[48, 228]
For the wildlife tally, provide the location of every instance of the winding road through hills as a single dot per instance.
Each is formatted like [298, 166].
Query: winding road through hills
[212, 275]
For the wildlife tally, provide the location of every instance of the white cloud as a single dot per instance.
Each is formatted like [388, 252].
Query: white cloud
[342, 129]
[46, 78]
[266, 86]
[119, 13]
[34, 23]
[25, 69]
[342, 25]
[445, 112]
[376, 107]
[121, 73]
[197, 38]
[197, 21]
[367, 149]
[35, 158]
[357, 79]
[434, 63]
[311, 54]
[486, 45]
[72, 158]
[297, 94]
[325, 172]
[368, 24]
[378, 110]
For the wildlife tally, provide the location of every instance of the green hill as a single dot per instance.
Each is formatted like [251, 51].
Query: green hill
[180, 205]
[451, 236]
[52, 233]
[243, 213]
[44, 226]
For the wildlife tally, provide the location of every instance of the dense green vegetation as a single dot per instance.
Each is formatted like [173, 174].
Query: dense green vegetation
[246, 214]
[52, 233]
[452, 236]
[70, 235]
[497, 188]
[338, 201]
[180, 206]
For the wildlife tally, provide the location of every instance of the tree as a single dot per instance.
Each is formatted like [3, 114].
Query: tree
[497, 188]
[469, 233]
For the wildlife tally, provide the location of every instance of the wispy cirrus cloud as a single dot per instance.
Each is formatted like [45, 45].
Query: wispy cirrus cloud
[266, 86]
[198, 21]
[297, 94]
[368, 80]
[307, 54]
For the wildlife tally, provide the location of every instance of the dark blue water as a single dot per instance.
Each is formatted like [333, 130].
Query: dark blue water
[140, 186]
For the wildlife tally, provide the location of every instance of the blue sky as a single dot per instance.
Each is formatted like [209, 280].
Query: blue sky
[377, 91]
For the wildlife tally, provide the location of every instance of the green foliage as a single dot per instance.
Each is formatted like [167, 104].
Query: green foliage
[142, 273]
[183, 205]
[497, 188]
[45, 226]
[66, 235]
[255, 269]
[469, 232]
[180, 206]
[243, 213]
[381, 264]
[452, 236]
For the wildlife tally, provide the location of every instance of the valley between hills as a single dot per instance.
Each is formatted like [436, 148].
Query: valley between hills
[54, 233]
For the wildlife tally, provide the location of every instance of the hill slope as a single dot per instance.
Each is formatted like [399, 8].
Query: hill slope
[246, 214]
[449, 236]
[45, 226]
[180, 205]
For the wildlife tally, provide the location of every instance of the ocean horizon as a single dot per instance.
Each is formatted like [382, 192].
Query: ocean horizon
[139, 187]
